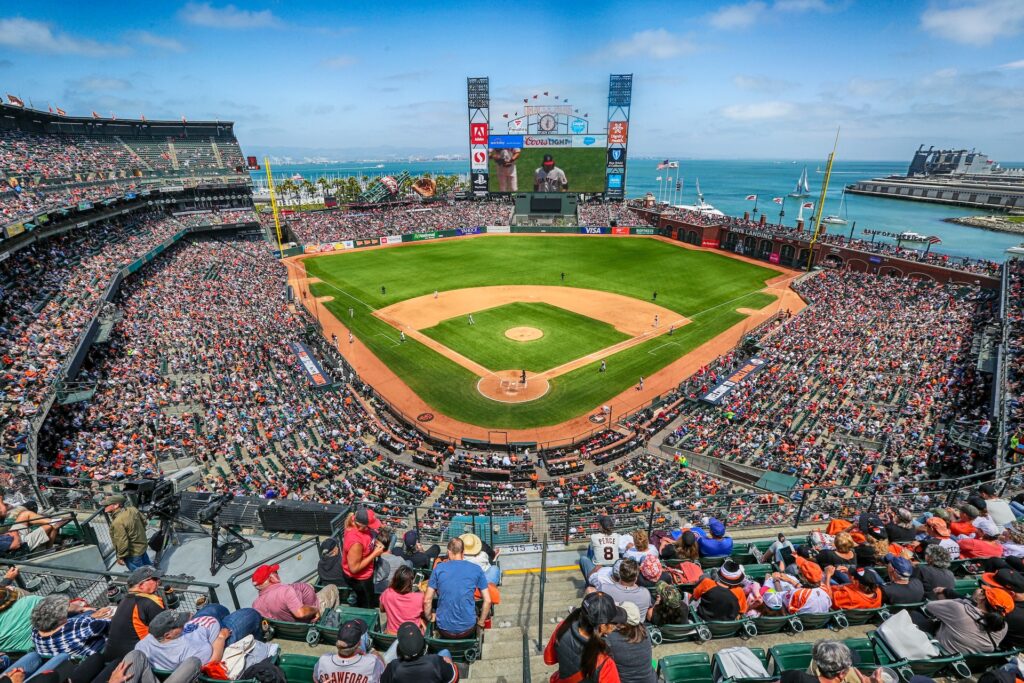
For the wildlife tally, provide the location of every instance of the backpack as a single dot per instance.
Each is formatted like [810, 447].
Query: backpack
[264, 672]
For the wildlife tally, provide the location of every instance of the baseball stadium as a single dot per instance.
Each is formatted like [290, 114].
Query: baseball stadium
[516, 423]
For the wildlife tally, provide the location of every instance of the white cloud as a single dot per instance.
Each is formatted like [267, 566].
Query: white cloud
[339, 62]
[802, 6]
[36, 36]
[975, 22]
[229, 16]
[759, 83]
[1019, 64]
[759, 111]
[153, 40]
[652, 43]
[100, 84]
[738, 16]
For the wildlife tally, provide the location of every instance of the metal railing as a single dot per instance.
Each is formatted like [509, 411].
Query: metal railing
[543, 577]
[95, 586]
[526, 657]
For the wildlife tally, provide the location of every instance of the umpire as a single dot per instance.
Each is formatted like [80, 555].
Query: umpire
[127, 532]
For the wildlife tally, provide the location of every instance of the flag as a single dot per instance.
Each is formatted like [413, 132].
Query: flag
[934, 240]
[751, 197]
[778, 200]
[50, 108]
[95, 115]
[673, 164]
[183, 119]
[526, 99]
[679, 186]
[504, 116]
[808, 205]
[16, 101]
[658, 178]
[142, 116]
[535, 96]
[61, 112]
[663, 164]
[545, 93]
[113, 116]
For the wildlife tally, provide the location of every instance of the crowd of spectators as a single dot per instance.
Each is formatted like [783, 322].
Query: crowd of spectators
[739, 225]
[217, 217]
[1014, 319]
[25, 202]
[315, 227]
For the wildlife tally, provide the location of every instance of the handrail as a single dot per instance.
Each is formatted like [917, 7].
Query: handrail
[526, 657]
[543, 582]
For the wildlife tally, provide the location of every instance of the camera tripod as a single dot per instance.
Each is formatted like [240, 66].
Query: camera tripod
[221, 554]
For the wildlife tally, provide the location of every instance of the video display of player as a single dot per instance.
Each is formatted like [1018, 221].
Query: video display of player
[547, 163]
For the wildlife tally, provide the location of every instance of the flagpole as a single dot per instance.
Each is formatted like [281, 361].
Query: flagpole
[821, 201]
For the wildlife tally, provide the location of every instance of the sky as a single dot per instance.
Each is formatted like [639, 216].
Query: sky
[768, 79]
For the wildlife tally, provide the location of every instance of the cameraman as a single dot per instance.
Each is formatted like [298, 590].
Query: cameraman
[127, 532]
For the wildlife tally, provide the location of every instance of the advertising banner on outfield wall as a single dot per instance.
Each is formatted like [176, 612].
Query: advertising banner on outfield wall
[391, 239]
[620, 231]
[312, 248]
[644, 231]
[773, 258]
[505, 229]
[424, 236]
[310, 365]
[594, 231]
[722, 390]
[712, 244]
[468, 231]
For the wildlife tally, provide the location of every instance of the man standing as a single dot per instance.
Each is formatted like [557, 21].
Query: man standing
[604, 366]
[505, 163]
[455, 583]
[471, 321]
[127, 532]
[549, 178]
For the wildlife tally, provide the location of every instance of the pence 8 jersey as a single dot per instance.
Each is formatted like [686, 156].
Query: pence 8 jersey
[605, 548]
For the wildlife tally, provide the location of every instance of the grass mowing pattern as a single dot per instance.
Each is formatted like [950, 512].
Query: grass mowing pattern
[703, 286]
[567, 336]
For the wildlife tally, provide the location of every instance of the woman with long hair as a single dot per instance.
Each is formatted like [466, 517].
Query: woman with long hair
[400, 603]
[578, 644]
[631, 647]
[359, 550]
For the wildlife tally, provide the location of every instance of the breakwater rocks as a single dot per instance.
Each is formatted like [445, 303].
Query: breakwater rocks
[996, 223]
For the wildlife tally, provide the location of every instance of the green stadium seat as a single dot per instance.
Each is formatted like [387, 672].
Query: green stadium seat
[345, 613]
[718, 673]
[298, 668]
[691, 667]
[463, 649]
[291, 630]
[944, 665]
[833, 620]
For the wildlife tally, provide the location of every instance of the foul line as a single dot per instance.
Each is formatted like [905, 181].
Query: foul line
[672, 343]
[339, 289]
[394, 342]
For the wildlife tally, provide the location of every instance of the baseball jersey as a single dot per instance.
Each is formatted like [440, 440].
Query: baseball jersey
[359, 669]
[550, 181]
[504, 156]
[605, 547]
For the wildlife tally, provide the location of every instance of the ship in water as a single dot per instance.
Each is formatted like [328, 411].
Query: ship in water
[959, 177]
[701, 207]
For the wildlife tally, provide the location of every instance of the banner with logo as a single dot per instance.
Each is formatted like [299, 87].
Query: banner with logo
[594, 231]
[644, 231]
[774, 257]
[424, 236]
[391, 239]
[468, 231]
[722, 390]
[499, 229]
[709, 244]
[327, 247]
[310, 365]
[478, 101]
[620, 231]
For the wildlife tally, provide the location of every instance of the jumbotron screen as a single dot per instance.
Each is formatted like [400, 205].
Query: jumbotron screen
[547, 163]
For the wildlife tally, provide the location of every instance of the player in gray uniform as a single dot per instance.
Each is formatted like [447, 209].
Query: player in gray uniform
[505, 162]
[550, 178]
[351, 664]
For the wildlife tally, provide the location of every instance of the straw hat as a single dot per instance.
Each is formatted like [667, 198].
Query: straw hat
[471, 543]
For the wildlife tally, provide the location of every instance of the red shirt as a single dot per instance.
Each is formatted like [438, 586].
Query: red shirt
[353, 537]
[973, 547]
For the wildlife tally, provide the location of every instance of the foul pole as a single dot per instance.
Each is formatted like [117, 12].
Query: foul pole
[273, 205]
[821, 202]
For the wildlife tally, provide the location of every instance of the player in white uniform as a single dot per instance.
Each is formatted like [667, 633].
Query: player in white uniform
[549, 178]
[505, 162]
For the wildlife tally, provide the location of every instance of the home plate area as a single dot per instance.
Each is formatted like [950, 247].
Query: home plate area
[507, 386]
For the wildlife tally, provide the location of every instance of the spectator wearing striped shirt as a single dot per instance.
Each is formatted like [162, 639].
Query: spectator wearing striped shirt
[62, 626]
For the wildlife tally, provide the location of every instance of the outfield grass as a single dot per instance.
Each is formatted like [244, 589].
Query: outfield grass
[567, 336]
[702, 286]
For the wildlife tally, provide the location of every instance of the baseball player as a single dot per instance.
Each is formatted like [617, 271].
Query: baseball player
[351, 312]
[640, 386]
[401, 336]
[505, 162]
[471, 321]
[549, 178]
[435, 293]
[383, 290]
[604, 366]
[351, 339]
[655, 319]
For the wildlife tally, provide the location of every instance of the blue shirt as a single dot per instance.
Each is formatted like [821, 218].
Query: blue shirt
[455, 582]
[714, 547]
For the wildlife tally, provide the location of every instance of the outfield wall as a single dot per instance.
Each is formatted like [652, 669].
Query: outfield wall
[431, 235]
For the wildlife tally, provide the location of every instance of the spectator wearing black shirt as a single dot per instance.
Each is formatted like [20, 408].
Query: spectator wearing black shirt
[328, 569]
[414, 665]
[901, 589]
[413, 551]
[1012, 581]
[934, 573]
[902, 531]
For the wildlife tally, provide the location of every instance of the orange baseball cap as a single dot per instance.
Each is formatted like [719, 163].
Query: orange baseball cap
[1000, 600]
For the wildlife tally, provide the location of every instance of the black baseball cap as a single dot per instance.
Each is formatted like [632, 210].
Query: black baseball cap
[411, 538]
[327, 545]
[600, 608]
[410, 640]
[351, 632]
[547, 158]
[167, 621]
[988, 488]
[1005, 578]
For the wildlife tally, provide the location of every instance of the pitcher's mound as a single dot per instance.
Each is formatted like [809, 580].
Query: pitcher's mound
[507, 386]
[523, 334]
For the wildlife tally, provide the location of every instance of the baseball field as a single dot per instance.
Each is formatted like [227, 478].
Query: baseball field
[479, 313]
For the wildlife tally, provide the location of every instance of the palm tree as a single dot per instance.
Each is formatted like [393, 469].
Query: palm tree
[325, 186]
[308, 188]
[285, 187]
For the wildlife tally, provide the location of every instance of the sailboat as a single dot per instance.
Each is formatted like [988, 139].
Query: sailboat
[839, 218]
[701, 206]
[802, 189]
